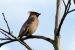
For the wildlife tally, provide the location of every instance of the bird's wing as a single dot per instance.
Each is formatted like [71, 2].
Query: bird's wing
[23, 31]
[25, 27]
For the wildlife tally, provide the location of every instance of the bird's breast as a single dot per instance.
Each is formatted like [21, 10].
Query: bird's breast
[33, 26]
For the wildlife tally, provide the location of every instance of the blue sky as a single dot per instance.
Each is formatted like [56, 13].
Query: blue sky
[16, 12]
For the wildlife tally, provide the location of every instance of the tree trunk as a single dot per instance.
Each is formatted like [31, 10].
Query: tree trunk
[57, 21]
[57, 43]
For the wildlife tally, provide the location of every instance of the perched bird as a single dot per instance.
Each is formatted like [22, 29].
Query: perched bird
[30, 26]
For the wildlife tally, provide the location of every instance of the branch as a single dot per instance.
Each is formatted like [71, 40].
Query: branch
[5, 35]
[7, 32]
[3, 30]
[62, 20]
[6, 22]
[64, 3]
[25, 38]
[71, 11]
[68, 5]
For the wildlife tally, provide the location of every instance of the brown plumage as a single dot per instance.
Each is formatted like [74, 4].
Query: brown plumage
[30, 26]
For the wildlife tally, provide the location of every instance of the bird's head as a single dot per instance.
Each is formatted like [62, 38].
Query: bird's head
[34, 13]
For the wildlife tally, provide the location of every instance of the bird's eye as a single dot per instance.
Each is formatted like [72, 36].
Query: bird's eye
[38, 14]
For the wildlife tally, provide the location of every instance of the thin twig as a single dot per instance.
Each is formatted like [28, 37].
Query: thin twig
[64, 3]
[6, 22]
[62, 20]
[5, 35]
[4, 30]
[7, 32]
[71, 11]
[5, 39]
[68, 5]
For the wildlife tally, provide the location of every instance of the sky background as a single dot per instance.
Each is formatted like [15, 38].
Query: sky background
[16, 12]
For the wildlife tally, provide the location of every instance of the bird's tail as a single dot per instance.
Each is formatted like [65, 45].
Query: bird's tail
[24, 43]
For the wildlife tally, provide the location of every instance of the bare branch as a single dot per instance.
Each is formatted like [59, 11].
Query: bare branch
[5, 39]
[1, 44]
[64, 3]
[71, 11]
[3, 30]
[5, 35]
[6, 22]
[30, 37]
[7, 32]
[62, 20]
[68, 6]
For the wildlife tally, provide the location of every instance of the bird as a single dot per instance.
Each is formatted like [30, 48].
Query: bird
[30, 26]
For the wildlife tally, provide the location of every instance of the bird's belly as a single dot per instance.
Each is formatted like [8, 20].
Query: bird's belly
[33, 27]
